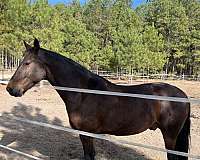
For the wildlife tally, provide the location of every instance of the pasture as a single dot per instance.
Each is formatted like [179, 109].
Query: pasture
[44, 104]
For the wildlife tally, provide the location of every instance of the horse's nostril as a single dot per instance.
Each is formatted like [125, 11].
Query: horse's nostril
[15, 91]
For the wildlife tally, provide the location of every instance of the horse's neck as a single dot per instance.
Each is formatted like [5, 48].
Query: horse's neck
[63, 72]
[66, 73]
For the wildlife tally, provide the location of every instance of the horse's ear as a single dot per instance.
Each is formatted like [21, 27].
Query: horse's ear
[28, 47]
[36, 45]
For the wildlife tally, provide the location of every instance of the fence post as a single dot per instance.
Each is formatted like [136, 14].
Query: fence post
[2, 74]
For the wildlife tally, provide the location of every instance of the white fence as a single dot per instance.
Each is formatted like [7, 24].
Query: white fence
[103, 136]
[6, 74]
[99, 136]
[130, 77]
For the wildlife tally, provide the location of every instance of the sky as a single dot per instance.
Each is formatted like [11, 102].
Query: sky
[135, 2]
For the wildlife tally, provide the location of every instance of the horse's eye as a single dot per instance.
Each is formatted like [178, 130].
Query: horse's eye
[26, 63]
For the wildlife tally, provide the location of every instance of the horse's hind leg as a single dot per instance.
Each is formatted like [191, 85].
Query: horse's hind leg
[176, 134]
[170, 143]
[88, 147]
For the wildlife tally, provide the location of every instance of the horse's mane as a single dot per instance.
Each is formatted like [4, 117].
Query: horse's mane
[77, 66]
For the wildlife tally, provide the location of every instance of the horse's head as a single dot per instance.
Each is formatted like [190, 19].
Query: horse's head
[30, 71]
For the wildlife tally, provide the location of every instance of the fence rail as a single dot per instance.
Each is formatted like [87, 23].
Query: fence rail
[108, 137]
[110, 93]
[162, 76]
[99, 136]
[143, 96]
[19, 152]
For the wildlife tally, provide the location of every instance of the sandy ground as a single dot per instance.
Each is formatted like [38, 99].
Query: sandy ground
[44, 104]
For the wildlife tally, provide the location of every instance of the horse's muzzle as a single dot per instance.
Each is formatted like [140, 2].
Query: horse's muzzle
[14, 91]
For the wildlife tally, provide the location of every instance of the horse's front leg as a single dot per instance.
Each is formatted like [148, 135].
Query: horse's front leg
[88, 147]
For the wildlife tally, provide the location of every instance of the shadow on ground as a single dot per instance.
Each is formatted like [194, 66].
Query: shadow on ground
[53, 144]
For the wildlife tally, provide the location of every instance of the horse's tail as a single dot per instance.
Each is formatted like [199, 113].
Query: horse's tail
[183, 139]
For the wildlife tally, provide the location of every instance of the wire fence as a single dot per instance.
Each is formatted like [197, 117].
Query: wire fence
[108, 137]
[111, 93]
[99, 136]
[143, 96]
[19, 152]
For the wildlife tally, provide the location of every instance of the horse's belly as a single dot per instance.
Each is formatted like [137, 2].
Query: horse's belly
[128, 126]
[114, 127]
[129, 131]
[112, 118]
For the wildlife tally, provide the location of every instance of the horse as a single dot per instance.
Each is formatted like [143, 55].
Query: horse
[105, 114]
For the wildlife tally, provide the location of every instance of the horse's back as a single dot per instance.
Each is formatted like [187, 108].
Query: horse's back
[162, 89]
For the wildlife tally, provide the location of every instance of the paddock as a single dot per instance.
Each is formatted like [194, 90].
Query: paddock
[42, 103]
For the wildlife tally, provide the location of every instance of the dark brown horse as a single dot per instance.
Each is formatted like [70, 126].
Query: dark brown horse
[102, 113]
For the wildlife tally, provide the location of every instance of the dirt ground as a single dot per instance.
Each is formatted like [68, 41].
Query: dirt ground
[44, 104]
